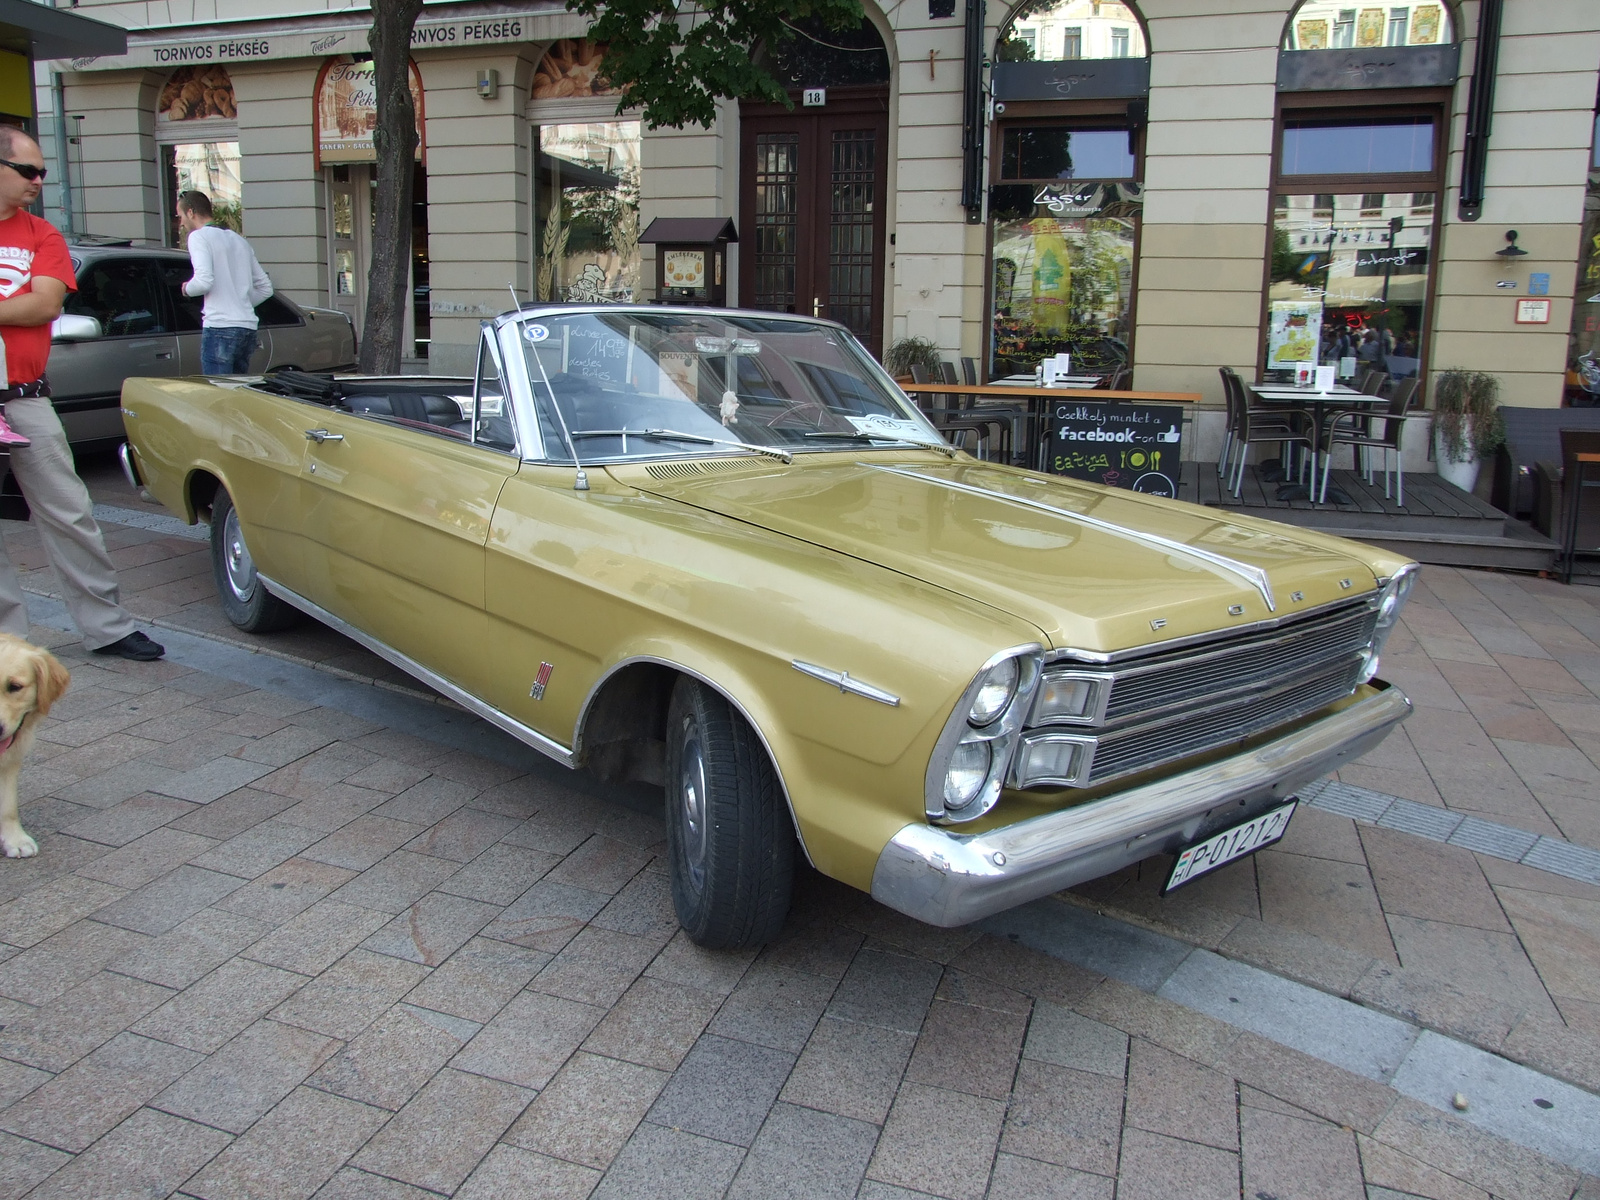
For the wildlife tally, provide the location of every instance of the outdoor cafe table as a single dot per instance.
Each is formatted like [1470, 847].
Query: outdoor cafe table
[1317, 401]
[1038, 401]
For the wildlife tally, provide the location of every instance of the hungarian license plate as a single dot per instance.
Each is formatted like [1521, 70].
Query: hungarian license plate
[1222, 848]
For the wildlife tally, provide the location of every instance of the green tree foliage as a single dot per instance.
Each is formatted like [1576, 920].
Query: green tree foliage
[675, 61]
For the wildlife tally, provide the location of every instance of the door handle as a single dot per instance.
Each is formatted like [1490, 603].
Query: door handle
[163, 353]
[816, 306]
[322, 435]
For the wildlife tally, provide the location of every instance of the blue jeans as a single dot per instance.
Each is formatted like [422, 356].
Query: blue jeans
[226, 351]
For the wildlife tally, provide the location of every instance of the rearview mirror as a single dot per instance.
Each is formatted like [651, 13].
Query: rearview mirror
[74, 327]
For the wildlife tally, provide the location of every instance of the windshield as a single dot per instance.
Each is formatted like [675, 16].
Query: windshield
[629, 384]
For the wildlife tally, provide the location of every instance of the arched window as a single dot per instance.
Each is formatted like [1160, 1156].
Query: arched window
[1341, 25]
[1061, 30]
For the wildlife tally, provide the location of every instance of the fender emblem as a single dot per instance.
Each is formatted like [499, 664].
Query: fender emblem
[1159, 623]
[536, 692]
[1296, 597]
[1236, 610]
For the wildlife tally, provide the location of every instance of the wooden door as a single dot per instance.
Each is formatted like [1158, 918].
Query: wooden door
[813, 210]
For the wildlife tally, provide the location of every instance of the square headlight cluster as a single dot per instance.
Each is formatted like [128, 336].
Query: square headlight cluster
[1071, 698]
[1054, 759]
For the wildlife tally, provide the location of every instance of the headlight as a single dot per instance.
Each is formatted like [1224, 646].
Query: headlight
[995, 690]
[969, 768]
[1072, 697]
[1396, 591]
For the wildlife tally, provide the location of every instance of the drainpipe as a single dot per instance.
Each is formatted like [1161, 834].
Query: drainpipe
[63, 173]
[1480, 111]
[972, 115]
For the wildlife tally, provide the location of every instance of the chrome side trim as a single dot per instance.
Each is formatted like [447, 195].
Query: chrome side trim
[1097, 657]
[1252, 575]
[523, 733]
[842, 681]
[777, 767]
[947, 878]
[129, 470]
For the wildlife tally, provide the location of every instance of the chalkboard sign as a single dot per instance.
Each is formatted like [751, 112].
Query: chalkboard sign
[1137, 446]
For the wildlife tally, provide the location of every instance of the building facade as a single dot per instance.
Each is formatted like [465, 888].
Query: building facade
[1178, 185]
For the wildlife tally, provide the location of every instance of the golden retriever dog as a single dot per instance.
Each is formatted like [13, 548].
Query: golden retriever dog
[31, 680]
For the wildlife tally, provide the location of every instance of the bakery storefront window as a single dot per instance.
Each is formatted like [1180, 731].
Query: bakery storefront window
[197, 127]
[1064, 222]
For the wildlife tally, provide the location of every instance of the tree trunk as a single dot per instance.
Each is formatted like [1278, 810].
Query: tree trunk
[395, 141]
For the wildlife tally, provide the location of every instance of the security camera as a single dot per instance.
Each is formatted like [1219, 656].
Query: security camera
[999, 108]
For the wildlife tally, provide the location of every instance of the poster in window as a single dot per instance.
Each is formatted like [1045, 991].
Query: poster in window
[685, 268]
[1312, 35]
[1294, 333]
[572, 67]
[1369, 27]
[345, 110]
[1425, 24]
[196, 94]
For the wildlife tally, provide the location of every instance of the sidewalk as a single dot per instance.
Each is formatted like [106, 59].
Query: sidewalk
[292, 935]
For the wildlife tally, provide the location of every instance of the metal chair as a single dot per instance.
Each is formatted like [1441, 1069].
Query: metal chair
[1359, 436]
[1268, 425]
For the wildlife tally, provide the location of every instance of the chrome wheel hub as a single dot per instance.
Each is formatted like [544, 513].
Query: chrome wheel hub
[241, 568]
[692, 809]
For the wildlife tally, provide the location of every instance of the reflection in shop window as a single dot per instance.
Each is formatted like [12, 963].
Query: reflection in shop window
[1070, 29]
[1349, 284]
[1062, 275]
[1329, 25]
[587, 211]
[1583, 349]
[212, 168]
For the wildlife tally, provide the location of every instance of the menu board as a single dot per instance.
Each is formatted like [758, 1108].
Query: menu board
[1135, 446]
[1294, 334]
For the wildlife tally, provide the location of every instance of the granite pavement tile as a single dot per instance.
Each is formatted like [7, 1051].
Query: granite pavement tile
[130, 819]
[351, 994]
[669, 1162]
[1170, 1094]
[234, 813]
[601, 864]
[642, 908]
[24, 1164]
[1068, 1117]
[500, 874]
[1154, 1167]
[431, 929]
[256, 850]
[393, 1058]
[589, 1110]
[285, 745]
[463, 835]
[1325, 899]
[655, 1023]
[441, 1134]
[116, 784]
[351, 1184]
[290, 1152]
[210, 1012]
[723, 1089]
[597, 966]
[147, 858]
[1030, 971]
[1063, 1038]
[923, 1150]
[892, 990]
[479, 979]
[1328, 1091]
[313, 940]
[330, 807]
[1285, 1156]
[149, 1154]
[1385, 1167]
[361, 842]
[235, 1086]
[774, 1006]
[397, 882]
[212, 780]
[97, 1093]
[714, 971]
[1017, 1178]
[1451, 1145]
[16, 1081]
[963, 1048]
[428, 801]
[166, 901]
[850, 1069]
[546, 917]
[286, 891]
[529, 1039]
[804, 1154]
[51, 907]
[78, 1021]
[1191, 1034]
[509, 1172]
[41, 973]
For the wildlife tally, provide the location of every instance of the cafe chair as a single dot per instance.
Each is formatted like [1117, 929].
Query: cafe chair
[1358, 436]
[969, 371]
[1247, 424]
[985, 428]
[1119, 379]
[1372, 383]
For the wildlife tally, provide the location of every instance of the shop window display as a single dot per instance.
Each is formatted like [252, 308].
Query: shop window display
[587, 211]
[1349, 283]
[1340, 25]
[197, 124]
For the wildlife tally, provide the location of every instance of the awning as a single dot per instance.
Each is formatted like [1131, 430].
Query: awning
[41, 33]
[689, 230]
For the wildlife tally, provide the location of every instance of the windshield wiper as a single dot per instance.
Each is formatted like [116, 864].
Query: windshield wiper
[948, 450]
[673, 435]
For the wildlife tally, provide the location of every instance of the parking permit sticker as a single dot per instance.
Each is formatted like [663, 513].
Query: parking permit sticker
[535, 333]
[876, 425]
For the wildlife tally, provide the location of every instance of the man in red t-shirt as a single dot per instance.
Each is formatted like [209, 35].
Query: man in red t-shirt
[35, 277]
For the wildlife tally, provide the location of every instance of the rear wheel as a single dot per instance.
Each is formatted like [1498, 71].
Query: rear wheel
[245, 601]
[729, 837]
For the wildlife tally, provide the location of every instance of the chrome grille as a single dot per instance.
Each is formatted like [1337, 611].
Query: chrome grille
[1141, 746]
[1268, 656]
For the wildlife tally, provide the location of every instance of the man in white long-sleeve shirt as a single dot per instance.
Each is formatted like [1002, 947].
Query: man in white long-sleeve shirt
[227, 274]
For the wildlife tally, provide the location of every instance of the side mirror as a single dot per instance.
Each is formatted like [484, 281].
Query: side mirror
[74, 327]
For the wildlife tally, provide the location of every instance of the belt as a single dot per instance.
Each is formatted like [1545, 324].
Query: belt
[39, 387]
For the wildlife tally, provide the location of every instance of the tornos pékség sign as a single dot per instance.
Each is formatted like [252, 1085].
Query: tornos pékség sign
[151, 49]
[1136, 446]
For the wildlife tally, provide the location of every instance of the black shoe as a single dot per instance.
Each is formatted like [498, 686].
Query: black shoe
[135, 646]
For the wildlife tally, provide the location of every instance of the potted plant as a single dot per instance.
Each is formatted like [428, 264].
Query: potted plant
[908, 352]
[1467, 425]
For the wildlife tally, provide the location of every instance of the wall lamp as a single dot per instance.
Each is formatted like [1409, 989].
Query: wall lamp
[1512, 250]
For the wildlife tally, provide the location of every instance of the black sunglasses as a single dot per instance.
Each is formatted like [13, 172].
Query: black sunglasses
[27, 170]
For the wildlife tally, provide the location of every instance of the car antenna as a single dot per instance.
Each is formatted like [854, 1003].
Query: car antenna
[581, 482]
[515, 303]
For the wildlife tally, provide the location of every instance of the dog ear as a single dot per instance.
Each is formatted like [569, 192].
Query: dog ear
[52, 679]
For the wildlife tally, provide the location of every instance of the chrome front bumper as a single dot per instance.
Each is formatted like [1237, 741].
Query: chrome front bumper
[948, 878]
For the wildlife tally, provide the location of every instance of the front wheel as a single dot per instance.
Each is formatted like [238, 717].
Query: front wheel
[245, 601]
[729, 837]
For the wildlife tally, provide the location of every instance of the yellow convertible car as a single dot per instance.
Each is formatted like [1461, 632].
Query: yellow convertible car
[721, 552]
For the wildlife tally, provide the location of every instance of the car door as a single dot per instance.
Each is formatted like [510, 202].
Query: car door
[396, 520]
[122, 293]
[188, 312]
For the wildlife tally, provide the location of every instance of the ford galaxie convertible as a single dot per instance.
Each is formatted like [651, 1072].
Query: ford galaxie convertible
[721, 552]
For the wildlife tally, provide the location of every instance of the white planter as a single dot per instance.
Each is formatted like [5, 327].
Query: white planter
[1463, 475]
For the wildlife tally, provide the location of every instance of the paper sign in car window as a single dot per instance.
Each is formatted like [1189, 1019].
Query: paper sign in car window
[874, 425]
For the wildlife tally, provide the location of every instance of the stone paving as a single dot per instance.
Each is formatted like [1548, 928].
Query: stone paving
[271, 949]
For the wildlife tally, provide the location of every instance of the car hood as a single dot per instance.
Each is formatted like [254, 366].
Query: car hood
[1093, 568]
